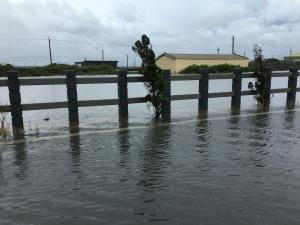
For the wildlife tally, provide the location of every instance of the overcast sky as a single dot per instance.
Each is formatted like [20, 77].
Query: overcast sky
[81, 28]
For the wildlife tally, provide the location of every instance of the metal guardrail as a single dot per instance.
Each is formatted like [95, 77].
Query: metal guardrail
[13, 82]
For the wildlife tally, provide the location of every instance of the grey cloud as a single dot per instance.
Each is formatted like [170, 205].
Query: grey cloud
[173, 25]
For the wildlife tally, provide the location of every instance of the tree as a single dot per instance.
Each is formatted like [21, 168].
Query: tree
[152, 73]
[259, 88]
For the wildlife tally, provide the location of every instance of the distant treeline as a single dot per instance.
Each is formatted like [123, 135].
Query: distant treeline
[222, 68]
[276, 64]
[58, 69]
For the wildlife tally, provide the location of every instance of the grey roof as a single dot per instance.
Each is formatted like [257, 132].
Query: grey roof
[205, 56]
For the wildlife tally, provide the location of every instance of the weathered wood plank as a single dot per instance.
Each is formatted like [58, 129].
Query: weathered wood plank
[102, 102]
[221, 94]
[42, 81]
[248, 75]
[3, 83]
[186, 77]
[131, 79]
[184, 74]
[245, 93]
[43, 106]
[185, 97]
[136, 100]
[97, 80]
[221, 76]
[281, 74]
[280, 90]
[4, 108]
[236, 88]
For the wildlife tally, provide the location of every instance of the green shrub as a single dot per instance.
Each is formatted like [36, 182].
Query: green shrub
[5, 68]
[59, 69]
[222, 68]
[153, 74]
[259, 87]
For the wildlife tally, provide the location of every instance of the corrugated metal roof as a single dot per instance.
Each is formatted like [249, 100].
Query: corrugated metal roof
[205, 56]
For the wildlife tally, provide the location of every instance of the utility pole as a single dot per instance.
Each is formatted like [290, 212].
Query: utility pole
[134, 62]
[50, 51]
[102, 55]
[127, 60]
[233, 43]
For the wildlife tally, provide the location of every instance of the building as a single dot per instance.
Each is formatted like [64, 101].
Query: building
[294, 57]
[114, 64]
[178, 62]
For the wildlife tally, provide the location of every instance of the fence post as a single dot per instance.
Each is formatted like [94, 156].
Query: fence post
[236, 88]
[203, 90]
[72, 97]
[268, 72]
[13, 84]
[292, 84]
[123, 94]
[166, 106]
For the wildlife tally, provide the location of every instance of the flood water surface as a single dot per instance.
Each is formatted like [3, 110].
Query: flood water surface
[221, 170]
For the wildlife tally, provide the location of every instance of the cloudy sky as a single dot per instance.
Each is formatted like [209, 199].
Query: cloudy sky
[80, 29]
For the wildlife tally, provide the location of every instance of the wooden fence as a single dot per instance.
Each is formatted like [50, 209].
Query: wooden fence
[13, 82]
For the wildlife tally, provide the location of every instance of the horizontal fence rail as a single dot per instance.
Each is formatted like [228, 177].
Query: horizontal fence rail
[71, 81]
[131, 79]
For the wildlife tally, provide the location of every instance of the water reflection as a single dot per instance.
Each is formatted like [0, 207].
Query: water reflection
[124, 147]
[155, 155]
[21, 160]
[123, 122]
[289, 118]
[75, 147]
[203, 130]
[234, 127]
[204, 134]
[258, 137]
[1, 174]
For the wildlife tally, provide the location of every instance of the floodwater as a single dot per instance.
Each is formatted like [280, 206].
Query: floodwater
[221, 168]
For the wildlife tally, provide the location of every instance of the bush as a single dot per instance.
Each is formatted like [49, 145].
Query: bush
[222, 68]
[5, 68]
[58, 69]
[152, 73]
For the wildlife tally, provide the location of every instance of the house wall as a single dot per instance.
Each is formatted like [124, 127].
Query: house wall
[181, 64]
[166, 63]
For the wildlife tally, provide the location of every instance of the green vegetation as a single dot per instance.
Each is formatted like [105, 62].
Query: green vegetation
[259, 88]
[4, 127]
[222, 68]
[5, 68]
[276, 64]
[152, 73]
[58, 69]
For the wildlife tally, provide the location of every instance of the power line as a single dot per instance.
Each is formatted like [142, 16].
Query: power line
[90, 43]
[23, 39]
[66, 41]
